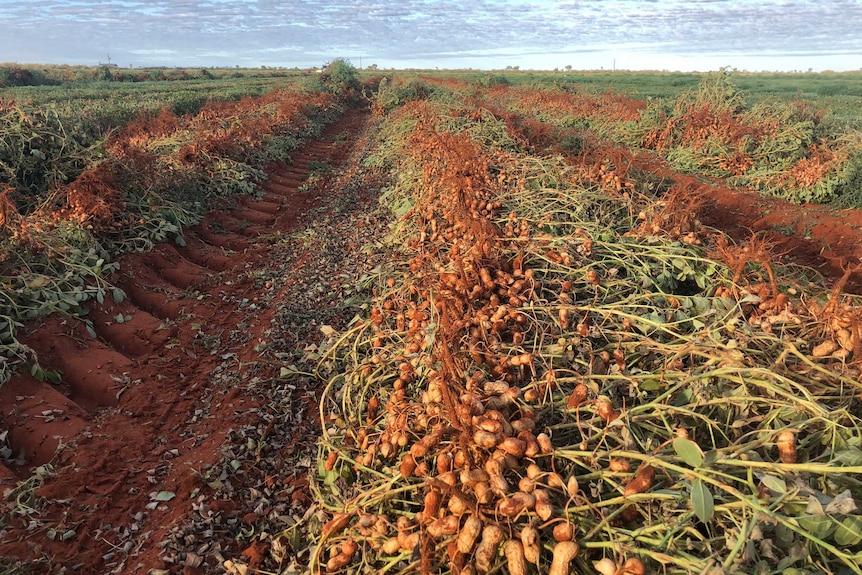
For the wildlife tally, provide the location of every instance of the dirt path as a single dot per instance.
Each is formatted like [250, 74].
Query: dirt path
[144, 406]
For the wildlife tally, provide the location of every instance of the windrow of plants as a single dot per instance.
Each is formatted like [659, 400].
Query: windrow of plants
[542, 386]
[778, 146]
[70, 201]
[82, 115]
[784, 148]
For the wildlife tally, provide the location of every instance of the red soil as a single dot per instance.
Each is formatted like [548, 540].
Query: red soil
[815, 236]
[138, 406]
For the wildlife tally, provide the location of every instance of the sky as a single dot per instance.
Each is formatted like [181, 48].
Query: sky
[674, 35]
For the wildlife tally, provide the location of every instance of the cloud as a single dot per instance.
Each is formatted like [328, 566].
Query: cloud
[254, 32]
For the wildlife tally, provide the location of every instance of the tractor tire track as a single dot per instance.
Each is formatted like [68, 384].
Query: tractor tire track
[136, 406]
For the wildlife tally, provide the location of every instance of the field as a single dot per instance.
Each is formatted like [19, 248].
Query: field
[432, 323]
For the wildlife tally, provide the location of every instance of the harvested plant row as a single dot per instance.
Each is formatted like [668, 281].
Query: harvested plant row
[542, 385]
[155, 176]
[785, 148]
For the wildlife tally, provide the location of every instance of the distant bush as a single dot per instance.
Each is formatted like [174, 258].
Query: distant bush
[340, 77]
[392, 94]
[489, 80]
[189, 104]
[782, 147]
[15, 76]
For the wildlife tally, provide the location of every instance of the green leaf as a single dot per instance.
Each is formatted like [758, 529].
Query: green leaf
[849, 531]
[650, 385]
[702, 501]
[849, 457]
[784, 535]
[38, 282]
[814, 507]
[819, 526]
[402, 207]
[215, 484]
[165, 495]
[688, 451]
[774, 484]
[710, 457]
[119, 295]
[289, 371]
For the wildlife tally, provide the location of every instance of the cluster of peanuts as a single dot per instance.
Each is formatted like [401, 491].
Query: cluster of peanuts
[468, 438]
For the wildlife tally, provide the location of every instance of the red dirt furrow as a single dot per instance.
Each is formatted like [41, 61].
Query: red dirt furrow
[293, 178]
[816, 236]
[92, 370]
[148, 291]
[283, 185]
[266, 207]
[273, 198]
[128, 329]
[204, 254]
[174, 268]
[254, 216]
[144, 405]
[7, 477]
[220, 238]
[236, 226]
[42, 418]
[300, 165]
